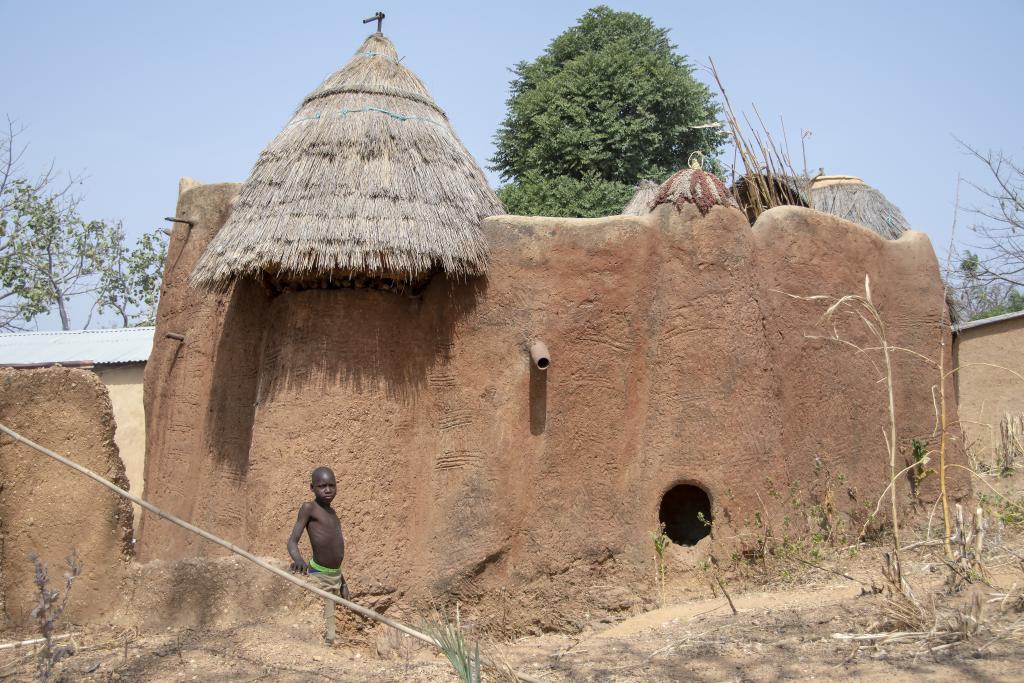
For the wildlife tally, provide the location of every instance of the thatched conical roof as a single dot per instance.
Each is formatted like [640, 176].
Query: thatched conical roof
[368, 178]
[851, 198]
[642, 199]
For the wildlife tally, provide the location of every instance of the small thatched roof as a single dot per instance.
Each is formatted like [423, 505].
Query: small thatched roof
[854, 200]
[368, 178]
[642, 199]
[757, 193]
[845, 196]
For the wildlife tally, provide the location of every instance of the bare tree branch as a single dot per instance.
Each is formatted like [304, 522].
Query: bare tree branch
[1000, 228]
[50, 255]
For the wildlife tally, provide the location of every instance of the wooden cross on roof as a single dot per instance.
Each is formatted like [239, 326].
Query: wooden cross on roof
[378, 17]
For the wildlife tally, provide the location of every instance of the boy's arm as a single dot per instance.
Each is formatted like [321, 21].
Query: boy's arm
[298, 564]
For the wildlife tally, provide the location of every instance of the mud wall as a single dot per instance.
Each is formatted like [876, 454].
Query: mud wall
[831, 395]
[987, 393]
[48, 510]
[124, 385]
[199, 391]
[676, 358]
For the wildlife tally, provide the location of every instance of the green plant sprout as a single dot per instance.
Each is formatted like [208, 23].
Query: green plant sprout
[451, 639]
[919, 451]
[661, 540]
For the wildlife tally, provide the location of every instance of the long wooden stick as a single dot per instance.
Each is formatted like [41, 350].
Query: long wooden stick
[33, 641]
[287, 576]
[726, 594]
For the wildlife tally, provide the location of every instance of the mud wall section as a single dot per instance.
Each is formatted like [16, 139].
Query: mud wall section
[988, 355]
[48, 510]
[677, 357]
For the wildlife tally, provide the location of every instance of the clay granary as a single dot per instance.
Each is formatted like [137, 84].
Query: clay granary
[359, 302]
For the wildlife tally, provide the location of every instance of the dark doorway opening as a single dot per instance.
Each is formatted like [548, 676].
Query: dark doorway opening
[686, 513]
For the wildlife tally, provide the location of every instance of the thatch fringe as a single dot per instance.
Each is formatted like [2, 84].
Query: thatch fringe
[368, 178]
[642, 199]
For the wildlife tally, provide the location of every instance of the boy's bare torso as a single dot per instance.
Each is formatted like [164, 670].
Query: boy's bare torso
[320, 522]
[324, 530]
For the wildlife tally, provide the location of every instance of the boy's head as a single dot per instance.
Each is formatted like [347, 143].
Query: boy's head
[323, 485]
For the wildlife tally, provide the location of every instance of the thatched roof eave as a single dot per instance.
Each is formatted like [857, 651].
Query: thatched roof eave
[368, 177]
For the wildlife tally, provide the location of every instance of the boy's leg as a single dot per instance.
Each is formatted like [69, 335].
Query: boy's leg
[329, 621]
[329, 584]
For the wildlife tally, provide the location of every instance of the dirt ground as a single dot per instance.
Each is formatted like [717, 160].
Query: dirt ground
[784, 629]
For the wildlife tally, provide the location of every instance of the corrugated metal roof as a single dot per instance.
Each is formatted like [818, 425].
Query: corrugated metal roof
[987, 321]
[126, 345]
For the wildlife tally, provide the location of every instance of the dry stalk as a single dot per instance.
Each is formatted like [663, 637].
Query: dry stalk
[943, 427]
[943, 434]
[907, 619]
[33, 641]
[1008, 447]
[768, 173]
[1007, 501]
[867, 312]
[726, 594]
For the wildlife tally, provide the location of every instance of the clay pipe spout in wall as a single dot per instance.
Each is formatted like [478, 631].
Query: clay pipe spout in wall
[539, 355]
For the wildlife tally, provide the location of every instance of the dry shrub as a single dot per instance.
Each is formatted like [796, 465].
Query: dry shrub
[48, 613]
[1010, 445]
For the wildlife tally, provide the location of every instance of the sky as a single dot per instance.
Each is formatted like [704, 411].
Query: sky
[134, 95]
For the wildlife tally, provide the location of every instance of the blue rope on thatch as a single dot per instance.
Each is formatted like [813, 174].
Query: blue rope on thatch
[377, 54]
[375, 110]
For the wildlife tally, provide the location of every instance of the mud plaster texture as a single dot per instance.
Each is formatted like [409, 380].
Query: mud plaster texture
[466, 474]
[124, 385]
[46, 508]
[988, 393]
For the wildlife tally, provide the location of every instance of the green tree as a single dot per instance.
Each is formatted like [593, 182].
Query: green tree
[50, 255]
[608, 104]
[54, 253]
[129, 280]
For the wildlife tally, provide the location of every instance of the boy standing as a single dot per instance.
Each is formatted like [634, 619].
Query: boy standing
[318, 519]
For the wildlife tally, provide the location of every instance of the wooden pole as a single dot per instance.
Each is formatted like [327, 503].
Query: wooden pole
[33, 641]
[287, 576]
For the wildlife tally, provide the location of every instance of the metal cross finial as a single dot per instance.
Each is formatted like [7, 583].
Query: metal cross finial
[378, 17]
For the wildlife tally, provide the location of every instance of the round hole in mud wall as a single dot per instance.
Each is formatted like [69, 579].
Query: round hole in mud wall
[686, 513]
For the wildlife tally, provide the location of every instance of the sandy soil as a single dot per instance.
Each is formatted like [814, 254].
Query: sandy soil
[781, 631]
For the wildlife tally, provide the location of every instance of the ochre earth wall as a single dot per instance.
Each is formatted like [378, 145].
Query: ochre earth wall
[124, 386]
[677, 357]
[47, 509]
[832, 398]
[987, 391]
[198, 391]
